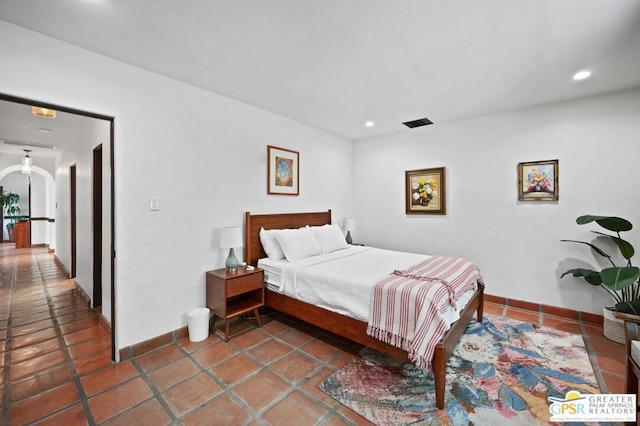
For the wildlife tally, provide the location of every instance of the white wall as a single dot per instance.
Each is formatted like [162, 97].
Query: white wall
[106, 229]
[39, 208]
[203, 155]
[79, 152]
[516, 244]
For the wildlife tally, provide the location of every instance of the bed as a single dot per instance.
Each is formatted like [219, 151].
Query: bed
[350, 328]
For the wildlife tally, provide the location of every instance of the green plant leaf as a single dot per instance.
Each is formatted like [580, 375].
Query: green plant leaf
[612, 223]
[591, 276]
[617, 278]
[626, 249]
[595, 248]
[10, 203]
[632, 307]
[588, 218]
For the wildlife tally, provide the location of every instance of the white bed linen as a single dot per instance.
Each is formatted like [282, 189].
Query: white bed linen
[342, 281]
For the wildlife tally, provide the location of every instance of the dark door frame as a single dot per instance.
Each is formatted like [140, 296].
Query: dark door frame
[30, 223]
[110, 119]
[73, 218]
[97, 226]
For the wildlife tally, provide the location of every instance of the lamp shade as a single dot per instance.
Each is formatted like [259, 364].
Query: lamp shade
[27, 162]
[349, 224]
[231, 237]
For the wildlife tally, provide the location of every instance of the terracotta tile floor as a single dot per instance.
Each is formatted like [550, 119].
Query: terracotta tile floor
[55, 367]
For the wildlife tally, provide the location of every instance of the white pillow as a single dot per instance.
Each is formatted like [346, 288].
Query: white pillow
[329, 237]
[297, 243]
[270, 244]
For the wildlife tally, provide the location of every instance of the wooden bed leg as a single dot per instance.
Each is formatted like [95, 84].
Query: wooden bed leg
[481, 303]
[480, 310]
[439, 376]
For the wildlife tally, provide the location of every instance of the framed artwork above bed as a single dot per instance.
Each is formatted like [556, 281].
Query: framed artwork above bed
[538, 181]
[283, 171]
[425, 191]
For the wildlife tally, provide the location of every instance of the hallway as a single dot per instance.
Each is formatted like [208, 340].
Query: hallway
[48, 338]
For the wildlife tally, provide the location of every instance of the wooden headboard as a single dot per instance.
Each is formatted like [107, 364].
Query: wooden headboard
[253, 248]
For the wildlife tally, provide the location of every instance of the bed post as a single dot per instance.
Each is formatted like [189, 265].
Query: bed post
[439, 375]
[481, 304]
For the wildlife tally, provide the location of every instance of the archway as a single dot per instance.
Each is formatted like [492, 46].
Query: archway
[49, 196]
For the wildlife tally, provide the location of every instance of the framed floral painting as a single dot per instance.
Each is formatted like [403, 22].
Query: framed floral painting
[283, 171]
[425, 191]
[538, 181]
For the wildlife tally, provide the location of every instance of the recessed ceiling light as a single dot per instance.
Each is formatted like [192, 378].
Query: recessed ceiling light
[43, 112]
[369, 124]
[581, 75]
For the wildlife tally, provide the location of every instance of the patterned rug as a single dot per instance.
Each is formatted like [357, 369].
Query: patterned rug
[501, 372]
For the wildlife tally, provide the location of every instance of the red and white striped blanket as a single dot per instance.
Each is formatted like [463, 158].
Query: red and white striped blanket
[407, 306]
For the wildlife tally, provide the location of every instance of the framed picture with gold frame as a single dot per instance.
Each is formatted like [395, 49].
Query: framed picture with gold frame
[283, 171]
[538, 181]
[425, 191]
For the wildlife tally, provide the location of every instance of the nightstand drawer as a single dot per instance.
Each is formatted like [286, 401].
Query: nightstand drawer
[241, 285]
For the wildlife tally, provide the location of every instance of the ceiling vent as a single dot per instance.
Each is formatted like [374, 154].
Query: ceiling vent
[418, 123]
[29, 144]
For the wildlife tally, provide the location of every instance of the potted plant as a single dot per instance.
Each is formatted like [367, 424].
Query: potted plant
[621, 282]
[10, 203]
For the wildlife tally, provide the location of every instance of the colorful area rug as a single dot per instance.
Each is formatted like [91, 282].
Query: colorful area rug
[501, 372]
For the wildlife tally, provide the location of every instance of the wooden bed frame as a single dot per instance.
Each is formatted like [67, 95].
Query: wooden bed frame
[339, 324]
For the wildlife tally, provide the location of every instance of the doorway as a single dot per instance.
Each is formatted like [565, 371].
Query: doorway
[74, 227]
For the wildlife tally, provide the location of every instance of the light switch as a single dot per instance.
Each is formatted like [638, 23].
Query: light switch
[154, 204]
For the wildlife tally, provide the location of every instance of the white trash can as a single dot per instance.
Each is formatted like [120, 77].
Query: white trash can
[198, 323]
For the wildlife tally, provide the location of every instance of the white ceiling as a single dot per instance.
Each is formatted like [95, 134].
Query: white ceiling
[335, 64]
[44, 137]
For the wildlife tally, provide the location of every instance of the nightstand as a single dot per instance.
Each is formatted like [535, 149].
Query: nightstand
[233, 294]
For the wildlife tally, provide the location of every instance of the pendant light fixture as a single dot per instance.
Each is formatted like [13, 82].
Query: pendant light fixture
[27, 162]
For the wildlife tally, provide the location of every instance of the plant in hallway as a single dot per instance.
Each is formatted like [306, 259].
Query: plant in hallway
[10, 204]
[621, 282]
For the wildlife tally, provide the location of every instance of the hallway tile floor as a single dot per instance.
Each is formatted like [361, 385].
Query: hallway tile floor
[55, 366]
